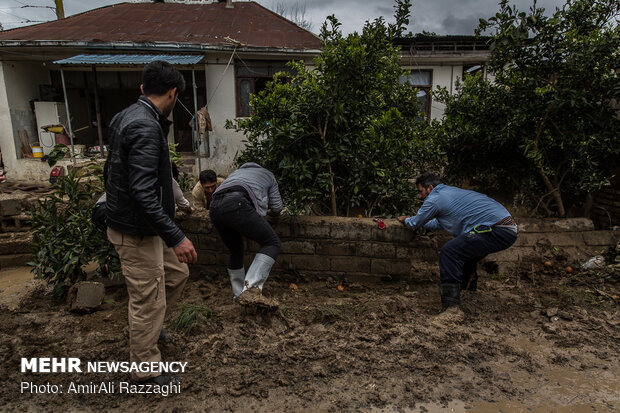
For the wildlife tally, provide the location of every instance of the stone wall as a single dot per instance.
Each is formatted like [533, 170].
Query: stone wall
[356, 248]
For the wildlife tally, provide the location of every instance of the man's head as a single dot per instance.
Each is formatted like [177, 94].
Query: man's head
[162, 83]
[426, 183]
[208, 180]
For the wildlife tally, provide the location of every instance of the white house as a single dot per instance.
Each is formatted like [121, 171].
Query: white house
[226, 51]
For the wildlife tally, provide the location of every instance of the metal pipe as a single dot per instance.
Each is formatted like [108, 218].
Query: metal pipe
[98, 112]
[195, 123]
[64, 91]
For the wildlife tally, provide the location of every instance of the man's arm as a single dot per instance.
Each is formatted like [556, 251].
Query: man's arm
[275, 200]
[426, 213]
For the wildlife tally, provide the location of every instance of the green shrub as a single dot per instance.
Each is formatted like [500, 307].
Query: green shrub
[65, 238]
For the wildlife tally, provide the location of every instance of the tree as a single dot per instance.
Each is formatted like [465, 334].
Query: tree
[549, 120]
[344, 135]
[295, 13]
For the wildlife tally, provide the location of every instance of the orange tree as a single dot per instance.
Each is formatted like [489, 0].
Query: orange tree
[548, 125]
[343, 136]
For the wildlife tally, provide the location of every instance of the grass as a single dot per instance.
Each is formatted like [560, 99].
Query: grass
[189, 316]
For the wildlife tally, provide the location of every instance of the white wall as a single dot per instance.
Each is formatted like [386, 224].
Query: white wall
[225, 144]
[19, 83]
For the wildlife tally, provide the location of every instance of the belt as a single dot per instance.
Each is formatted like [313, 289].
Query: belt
[232, 189]
[506, 221]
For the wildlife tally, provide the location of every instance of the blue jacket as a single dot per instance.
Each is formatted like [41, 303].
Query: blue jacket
[457, 210]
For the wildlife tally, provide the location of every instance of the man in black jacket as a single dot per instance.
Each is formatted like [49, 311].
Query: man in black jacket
[140, 212]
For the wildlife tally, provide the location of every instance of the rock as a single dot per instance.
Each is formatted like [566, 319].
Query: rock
[550, 328]
[551, 312]
[85, 296]
[554, 319]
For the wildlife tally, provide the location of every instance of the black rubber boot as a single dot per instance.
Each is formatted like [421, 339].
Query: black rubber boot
[470, 282]
[450, 295]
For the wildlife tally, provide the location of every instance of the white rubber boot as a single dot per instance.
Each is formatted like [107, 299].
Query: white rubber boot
[258, 271]
[237, 278]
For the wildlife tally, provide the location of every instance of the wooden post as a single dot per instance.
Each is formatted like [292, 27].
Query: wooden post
[60, 10]
[98, 111]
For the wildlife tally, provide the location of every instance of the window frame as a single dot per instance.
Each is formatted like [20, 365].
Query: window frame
[426, 88]
[273, 67]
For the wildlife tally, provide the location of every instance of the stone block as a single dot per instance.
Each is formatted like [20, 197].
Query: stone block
[15, 243]
[601, 238]
[335, 248]
[376, 249]
[9, 207]
[381, 267]
[14, 260]
[350, 264]
[298, 247]
[309, 262]
[315, 230]
[206, 257]
[209, 242]
[359, 232]
[85, 296]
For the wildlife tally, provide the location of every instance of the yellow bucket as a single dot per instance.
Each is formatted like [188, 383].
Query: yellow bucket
[37, 150]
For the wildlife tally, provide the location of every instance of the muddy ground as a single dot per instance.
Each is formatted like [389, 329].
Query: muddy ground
[542, 341]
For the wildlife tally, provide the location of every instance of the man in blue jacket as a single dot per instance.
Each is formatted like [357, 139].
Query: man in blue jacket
[140, 213]
[480, 225]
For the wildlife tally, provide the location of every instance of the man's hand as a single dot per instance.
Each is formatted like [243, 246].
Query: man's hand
[185, 251]
[402, 219]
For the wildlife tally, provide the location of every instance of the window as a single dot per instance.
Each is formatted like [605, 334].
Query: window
[473, 69]
[423, 81]
[252, 77]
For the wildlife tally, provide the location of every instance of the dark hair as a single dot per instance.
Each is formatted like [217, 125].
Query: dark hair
[208, 175]
[427, 179]
[175, 170]
[159, 77]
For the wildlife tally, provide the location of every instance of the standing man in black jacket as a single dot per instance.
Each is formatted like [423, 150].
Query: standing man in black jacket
[140, 211]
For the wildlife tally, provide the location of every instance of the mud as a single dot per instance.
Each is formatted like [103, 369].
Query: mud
[538, 343]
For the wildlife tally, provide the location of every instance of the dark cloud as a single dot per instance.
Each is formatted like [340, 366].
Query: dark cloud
[439, 16]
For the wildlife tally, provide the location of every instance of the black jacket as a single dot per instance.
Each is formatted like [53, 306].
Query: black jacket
[138, 177]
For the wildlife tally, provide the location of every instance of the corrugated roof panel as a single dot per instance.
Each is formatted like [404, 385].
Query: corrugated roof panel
[128, 59]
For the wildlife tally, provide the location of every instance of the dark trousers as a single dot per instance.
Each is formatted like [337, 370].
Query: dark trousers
[234, 216]
[459, 257]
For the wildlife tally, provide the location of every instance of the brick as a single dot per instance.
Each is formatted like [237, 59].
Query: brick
[10, 207]
[601, 238]
[350, 264]
[318, 230]
[309, 262]
[404, 252]
[390, 267]
[376, 249]
[15, 243]
[209, 242]
[360, 232]
[206, 257]
[335, 248]
[14, 260]
[298, 247]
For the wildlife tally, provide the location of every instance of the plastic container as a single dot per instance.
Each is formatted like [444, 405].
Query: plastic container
[37, 150]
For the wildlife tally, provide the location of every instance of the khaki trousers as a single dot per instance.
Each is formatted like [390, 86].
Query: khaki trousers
[154, 277]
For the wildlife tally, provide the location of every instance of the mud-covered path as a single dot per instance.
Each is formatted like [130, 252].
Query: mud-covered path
[375, 347]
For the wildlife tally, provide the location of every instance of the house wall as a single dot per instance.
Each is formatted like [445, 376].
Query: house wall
[19, 84]
[224, 144]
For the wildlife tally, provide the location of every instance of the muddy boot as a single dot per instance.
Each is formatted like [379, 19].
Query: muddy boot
[253, 298]
[450, 305]
[450, 295]
[237, 278]
[258, 271]
[470, 282]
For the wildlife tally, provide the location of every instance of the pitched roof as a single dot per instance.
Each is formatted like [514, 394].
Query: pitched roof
[187, 23]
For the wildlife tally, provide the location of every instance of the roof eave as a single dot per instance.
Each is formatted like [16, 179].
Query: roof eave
[149, 46]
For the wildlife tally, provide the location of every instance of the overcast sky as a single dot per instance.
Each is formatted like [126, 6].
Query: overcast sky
[439, 16]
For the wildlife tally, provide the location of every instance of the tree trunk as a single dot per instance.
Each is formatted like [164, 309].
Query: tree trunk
[555, 192]
[329, 166]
